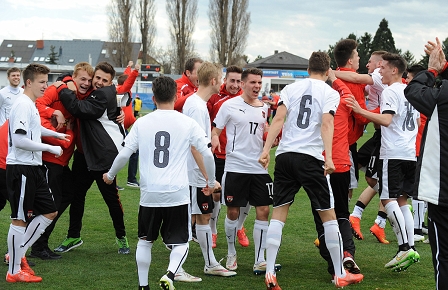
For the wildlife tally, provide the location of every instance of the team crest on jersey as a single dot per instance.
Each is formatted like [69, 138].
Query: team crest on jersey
[205, 206]
[29, 214]
[229, 198]
[263, 114]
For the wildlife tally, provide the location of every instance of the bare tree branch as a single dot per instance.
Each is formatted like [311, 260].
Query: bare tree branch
[120, 30]
[145, 14]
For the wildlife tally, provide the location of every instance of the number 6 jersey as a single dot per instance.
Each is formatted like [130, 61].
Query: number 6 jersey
[306, 102]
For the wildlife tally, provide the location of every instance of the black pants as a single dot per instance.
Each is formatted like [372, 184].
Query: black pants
[132, 167]
[438, 239]
[84, 179]
[339, 184]
[60, 181]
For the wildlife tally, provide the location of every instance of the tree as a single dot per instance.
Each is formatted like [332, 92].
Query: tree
[182, 15]
[145, 18]
[230, 22]
[409, 58]
[164, 57]
[258, 57]
[330, 50]
[53, 56]
[383, 39]
[120, 30]
[364, 51]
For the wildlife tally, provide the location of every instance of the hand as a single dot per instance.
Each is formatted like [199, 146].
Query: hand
[56, 150]
[437, 59]
[217, 187]
[120, 118]
[264, 159]
[352, 103]
[215, 143]
[331, 75]
[64, 137]
[59, 118]
[329, 167]
[106, 179]
[207, 190]
[71, 86]
[130, 63]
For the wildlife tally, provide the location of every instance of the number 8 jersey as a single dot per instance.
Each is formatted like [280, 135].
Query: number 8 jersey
[306, 102]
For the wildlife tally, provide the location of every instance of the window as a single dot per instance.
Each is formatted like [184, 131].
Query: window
[9, 45]
[2, 58]
[47, 59]
[42, 58]
[30, 46]
[36, 58]
[71, 60]
[18, 59]
[103, 51]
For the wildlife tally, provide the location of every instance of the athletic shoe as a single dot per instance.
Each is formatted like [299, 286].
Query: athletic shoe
[356, 227]
[231, 262]
[271, 282]
[120, 188]
[426, 241]
[349, 264]
[183, 276]
[416, 256]
[242, 238]
[22, 276]
[348, 279]
[425, 230]
[400, 257]
[418, 238]
[6, 261]
[214, 238]
[379, 233]
[68, 244]
[317, 242]
[166, 283]
[123, 245]
[25, 267]
[133, 184]
[45, 254]
[218, 270]
[260, 268]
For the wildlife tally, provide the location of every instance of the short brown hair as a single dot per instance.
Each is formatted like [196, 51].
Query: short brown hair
[189, 64]
[207, 71]
[106, 67]
[121, 79]
[395, 60]
[319, 62]
[233, 69]
[85, 66]
[343, 51]
[164, 89]
[34, 69]
[11, 70]
[251, 71]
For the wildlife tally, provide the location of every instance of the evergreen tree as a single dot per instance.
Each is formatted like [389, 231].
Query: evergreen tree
[53, 56]
[330, 50]
[383, 39]
[364, 51]
[408, 57]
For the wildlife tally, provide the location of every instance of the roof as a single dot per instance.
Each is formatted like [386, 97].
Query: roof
[281, 60]
[108, 50]
[21, 50]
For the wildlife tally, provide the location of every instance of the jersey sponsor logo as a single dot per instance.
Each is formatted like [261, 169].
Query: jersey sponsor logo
[229, 198]
[388, 104]
[244, 111]
[205, 206]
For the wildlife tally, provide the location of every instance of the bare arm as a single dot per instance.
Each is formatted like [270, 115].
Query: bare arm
[215, 139]
[354, 77]
[380, 119]
[273, 132]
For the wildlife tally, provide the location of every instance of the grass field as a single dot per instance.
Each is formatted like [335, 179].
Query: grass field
[96, 264]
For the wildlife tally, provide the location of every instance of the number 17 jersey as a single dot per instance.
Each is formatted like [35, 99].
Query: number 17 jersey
[306, 101]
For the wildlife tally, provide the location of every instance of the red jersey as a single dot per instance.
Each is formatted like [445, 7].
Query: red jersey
[275, 98]
[129, 118]
[420, 133]
[214, 103]
[184, 89]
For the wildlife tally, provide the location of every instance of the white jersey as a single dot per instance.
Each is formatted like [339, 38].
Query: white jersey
[398, 139]
[375, 90]
[24, 119]
[7, 97]
[306, 102]
[196, 108]
[244, 125]
[164, 138]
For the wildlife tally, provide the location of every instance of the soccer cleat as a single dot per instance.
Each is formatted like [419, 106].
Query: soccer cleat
[166, 283]
[214, 238]
[426, 241]
[418, 238]
[123, 245]
[231, 262]
[379, 233]
[22, 276]
[406, 264]
[120, 188]
[45, 254]
[260, 268]
[356, 227]
[400, 258]
[133, 184]
[183, 276]
[242, 238]
[349, 264]
[218, 270]
[271, 282]
[68, 244]
[26, 267]
[348, 279]
[317, 242]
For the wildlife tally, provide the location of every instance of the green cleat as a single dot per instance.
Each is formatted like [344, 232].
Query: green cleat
[123, 246]
[68, 244]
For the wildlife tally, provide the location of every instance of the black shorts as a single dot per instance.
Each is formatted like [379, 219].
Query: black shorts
[219, 168]
[396, 177]
[28, 192]
[240, 188]
[172, 222]
[369, 153]
[294, 170]
[200, 203]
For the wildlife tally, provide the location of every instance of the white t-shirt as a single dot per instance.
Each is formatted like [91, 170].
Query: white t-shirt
[306, 102]
[164, 138]
[398, 139]
[375, 90]
[7, 97]
[196, 108]
[24, 118]
[244, 125]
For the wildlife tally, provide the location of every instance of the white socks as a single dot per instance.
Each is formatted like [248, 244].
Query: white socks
[177, 257]
[143, 259]
[230, 227]
[334, 246]
[396, 218]
[214, 216]
[409, 223]
[259, 233]
[273, 241]
[15, 250]
[204, 236]
[244, 212]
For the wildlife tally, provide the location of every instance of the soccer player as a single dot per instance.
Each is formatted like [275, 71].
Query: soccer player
[309, 107]
[229, 89]
[164, 139]
[187, 84]
[244, 180]
[32, 204]
[195, 107]
[396, 168]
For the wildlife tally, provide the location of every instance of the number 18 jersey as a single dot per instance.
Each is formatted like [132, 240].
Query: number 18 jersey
[306, 101]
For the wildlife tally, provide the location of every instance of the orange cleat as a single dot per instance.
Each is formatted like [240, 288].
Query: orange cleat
[25, 267]
[22, 276]
[242, 238]
[317, 242]
[214, 238]
[348, 279]
[271, 282]
[356, 227]
[379, 233]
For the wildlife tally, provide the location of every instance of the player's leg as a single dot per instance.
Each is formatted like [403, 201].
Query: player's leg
[219, 172]
[438, 238]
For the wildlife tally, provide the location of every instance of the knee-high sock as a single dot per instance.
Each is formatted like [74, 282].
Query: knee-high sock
[214, 217]
[409, 223]
[334, 245]
[34, 230]
[177, 257]
[230, 227]
[396, 219]
[143, 259]
[419, 213]
[15, 239]
[244, 212]
[381, 219]
[358, 209]
[204, 235]
[259, 233]
[273, 241]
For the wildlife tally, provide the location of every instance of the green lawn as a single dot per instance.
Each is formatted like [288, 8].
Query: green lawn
[96, 264]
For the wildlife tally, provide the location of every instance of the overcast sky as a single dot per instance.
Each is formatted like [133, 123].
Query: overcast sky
[296, 26]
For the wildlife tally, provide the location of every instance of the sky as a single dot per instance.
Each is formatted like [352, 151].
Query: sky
[296, 26]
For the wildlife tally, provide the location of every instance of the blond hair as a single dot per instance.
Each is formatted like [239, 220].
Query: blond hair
[207, 71]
